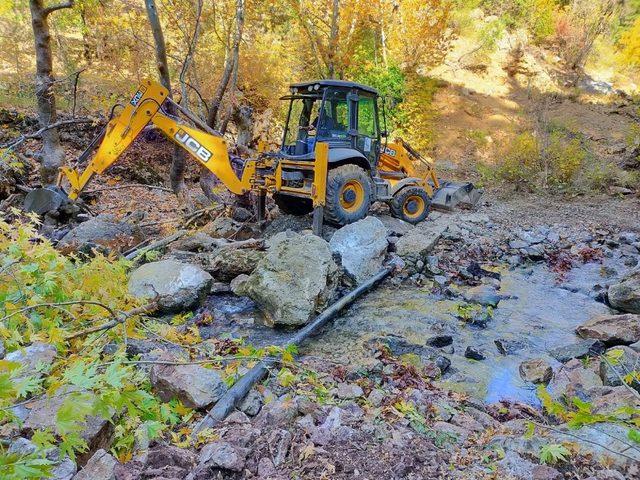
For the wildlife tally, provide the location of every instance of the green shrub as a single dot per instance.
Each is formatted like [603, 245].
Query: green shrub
[565, 157]
[521, 161]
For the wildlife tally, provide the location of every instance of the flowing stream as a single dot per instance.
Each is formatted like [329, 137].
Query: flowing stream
[537, 313]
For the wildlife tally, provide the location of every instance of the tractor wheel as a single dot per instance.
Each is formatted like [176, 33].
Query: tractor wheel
[293, 205]
[411, 204]
[348, 195]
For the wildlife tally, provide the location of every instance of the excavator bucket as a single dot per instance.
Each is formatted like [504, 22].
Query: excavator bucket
[453, 194]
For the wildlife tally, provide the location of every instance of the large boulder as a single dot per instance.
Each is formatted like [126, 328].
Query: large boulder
[417, 244]
[625, 295]
[362, 246]
[176, 285]
[231, 262]
[295, 279]
[194, 385]
[612, 329]
[104, 230]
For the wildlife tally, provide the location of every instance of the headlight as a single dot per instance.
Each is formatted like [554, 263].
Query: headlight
[316, 87]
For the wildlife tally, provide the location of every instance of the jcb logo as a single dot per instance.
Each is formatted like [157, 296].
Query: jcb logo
[193, 145]
[390, 152]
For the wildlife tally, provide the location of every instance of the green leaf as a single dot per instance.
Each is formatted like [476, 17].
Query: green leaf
[634, 435]
[553, 453]
[73, 412]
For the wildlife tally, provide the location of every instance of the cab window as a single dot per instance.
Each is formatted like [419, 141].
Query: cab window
[367, 117]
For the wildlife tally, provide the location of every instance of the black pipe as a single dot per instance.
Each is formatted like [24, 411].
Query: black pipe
[239, 390]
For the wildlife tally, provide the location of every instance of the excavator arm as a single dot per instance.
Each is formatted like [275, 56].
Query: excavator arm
[144, 108]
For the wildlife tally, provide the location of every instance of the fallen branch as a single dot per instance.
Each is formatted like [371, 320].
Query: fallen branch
[38, 133]
[117, 320]
[249, 243]
[163, 242]
[58, 305]
[129, 185]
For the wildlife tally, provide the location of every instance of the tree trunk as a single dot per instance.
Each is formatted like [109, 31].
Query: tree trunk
[52, 152]
[333, 39]
[207, 179]
[176, 174]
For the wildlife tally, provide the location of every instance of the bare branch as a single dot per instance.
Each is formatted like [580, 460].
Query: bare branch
[38, 133]
[59, 6]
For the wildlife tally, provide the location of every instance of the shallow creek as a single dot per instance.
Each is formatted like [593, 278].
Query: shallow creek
[537, 313]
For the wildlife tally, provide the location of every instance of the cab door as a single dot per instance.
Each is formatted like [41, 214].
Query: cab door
[368, 134]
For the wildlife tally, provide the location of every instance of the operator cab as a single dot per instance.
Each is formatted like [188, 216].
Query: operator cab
[340, 113]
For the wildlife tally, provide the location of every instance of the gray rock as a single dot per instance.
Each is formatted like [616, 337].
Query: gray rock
[178, 286]
[100, 466]
[223, 455]
[252, 403]
[516, 466]
[63, 469]
[592, 440]
[474, 353]
[581, 349]
[294, 280]
[613, 371]
[362, 246]
[193, 385]
[22, 446]
[395, 226]
[486, 295]
[96, 430]
[536, 370]
[231, 262]
[103, 230]
[439, 341]
[349, 391]
[625, 295]
[279, 443]
[573, 379]
[419, 242]
[30, 358]
[635, 346]
[376, 397]
[612, 329]
[225, 227]
[545, 472]
[3, 350]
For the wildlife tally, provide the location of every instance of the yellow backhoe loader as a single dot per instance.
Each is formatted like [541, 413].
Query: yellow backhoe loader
[332, 160]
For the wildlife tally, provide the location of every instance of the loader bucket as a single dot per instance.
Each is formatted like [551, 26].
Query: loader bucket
[45, 200]
[453, 194]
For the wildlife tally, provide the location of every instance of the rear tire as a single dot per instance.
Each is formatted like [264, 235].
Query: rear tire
[348, 194]
[293, 205]
[411, 204]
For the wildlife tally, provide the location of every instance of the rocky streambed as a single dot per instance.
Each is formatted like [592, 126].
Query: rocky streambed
[435, 374]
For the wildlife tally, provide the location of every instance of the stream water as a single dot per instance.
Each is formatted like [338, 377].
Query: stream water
[537, 313]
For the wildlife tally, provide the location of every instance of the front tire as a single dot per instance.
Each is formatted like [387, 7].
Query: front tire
[411, 204]
[348, 194]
